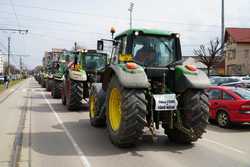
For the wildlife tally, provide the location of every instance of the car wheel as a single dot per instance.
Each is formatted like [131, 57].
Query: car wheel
[223, 119]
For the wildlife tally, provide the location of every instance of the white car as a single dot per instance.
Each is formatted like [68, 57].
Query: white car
[1, 79]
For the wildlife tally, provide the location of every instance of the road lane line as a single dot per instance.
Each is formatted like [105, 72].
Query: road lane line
[82, 156]
[223, 145]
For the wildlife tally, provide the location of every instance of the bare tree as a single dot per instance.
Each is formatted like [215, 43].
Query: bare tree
[211, 55]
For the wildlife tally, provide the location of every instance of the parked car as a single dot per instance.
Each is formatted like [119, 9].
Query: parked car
[223, 80]
[1, 79]
[239, 84]
[229, 105]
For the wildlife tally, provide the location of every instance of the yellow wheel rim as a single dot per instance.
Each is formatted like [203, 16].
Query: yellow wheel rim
[92, 106]
[115, 109]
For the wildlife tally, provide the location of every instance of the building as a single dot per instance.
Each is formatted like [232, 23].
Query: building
[52, 55]
[237, 51]
[1, 65]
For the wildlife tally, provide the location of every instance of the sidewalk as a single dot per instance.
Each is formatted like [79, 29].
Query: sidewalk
[12, 102]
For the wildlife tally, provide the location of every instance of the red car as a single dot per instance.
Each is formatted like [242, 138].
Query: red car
[229, 105]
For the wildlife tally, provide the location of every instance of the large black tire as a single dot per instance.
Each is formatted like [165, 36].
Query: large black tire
[48, 84]
[133, 107]
[56, 88]
[96, 103]
[194, 108]
[43, 83]
[74, 94]
[63, 94]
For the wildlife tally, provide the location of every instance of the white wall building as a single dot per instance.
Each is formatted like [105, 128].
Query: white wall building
[1, 64]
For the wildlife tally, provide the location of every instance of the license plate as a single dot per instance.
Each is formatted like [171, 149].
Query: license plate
[165, 102]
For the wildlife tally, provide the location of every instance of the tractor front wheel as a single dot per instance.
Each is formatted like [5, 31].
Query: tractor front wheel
[194, 111]
[125, 114]
[96, 103]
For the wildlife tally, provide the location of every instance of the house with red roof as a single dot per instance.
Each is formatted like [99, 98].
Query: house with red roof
[237, 51]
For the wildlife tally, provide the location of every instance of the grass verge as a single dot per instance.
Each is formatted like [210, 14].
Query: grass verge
[12, 83]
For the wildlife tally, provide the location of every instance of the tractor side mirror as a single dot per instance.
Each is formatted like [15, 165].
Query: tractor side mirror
[115, 43]
[100, 45]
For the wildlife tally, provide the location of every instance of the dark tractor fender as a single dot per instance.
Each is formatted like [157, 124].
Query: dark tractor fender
[128, 78]
[186, 79]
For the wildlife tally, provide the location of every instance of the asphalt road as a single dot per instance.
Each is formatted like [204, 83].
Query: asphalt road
[55, 137]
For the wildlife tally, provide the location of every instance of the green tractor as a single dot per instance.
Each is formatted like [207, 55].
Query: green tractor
[59, 68]
[147, 85]
[49, 76]
[43, 79]
[82, 69]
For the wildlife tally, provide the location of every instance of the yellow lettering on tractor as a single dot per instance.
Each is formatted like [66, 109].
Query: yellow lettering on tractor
[76, 67]
[125, 57]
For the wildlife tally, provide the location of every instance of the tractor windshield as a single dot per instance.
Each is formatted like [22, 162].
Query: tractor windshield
[154, 51]
[95, 61]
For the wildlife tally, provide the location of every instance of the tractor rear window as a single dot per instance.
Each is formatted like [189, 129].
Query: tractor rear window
[154, 51]
[95, 61]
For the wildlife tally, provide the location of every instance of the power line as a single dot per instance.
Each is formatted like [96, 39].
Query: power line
[111, 17]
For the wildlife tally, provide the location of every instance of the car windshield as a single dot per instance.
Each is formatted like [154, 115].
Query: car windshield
[243, 93]
[154, 50]
[246, 78]
[223, 80]
[95, 61]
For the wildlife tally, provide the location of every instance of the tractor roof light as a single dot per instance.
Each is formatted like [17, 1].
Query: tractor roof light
[136, 33]
[191, 67]
[112, 30]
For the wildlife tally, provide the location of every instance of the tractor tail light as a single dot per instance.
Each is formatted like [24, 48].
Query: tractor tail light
[191, 68]
[131, 65]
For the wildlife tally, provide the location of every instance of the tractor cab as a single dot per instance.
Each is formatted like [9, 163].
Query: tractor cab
[95, 61]
[153, 51]
[149, 48]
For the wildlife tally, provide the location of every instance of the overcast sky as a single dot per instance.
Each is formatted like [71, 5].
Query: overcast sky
[58, 23]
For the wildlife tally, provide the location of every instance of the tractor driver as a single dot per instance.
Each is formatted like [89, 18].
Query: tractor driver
[145, 55]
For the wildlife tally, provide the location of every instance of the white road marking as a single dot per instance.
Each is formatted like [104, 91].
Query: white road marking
[224, 146]
[83, 158]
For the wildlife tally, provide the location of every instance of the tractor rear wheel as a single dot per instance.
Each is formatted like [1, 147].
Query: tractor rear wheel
[56, 88]
[194, 114]
[48, 84]
[43, 83]
[125, 115]
[96, 103]
[63, 94]
[74, 94]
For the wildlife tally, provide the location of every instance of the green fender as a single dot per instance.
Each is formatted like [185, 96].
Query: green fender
[128, 78]
[187, 79]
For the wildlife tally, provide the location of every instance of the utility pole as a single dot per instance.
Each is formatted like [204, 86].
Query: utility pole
[8, 67]
[222, 25]
[130, 9]
[12, 30]
[75, 45]
[21, 64]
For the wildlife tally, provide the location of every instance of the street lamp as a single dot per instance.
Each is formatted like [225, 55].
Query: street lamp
[222, 25]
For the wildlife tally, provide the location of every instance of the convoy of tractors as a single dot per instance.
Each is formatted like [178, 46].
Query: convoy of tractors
[141, 83]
